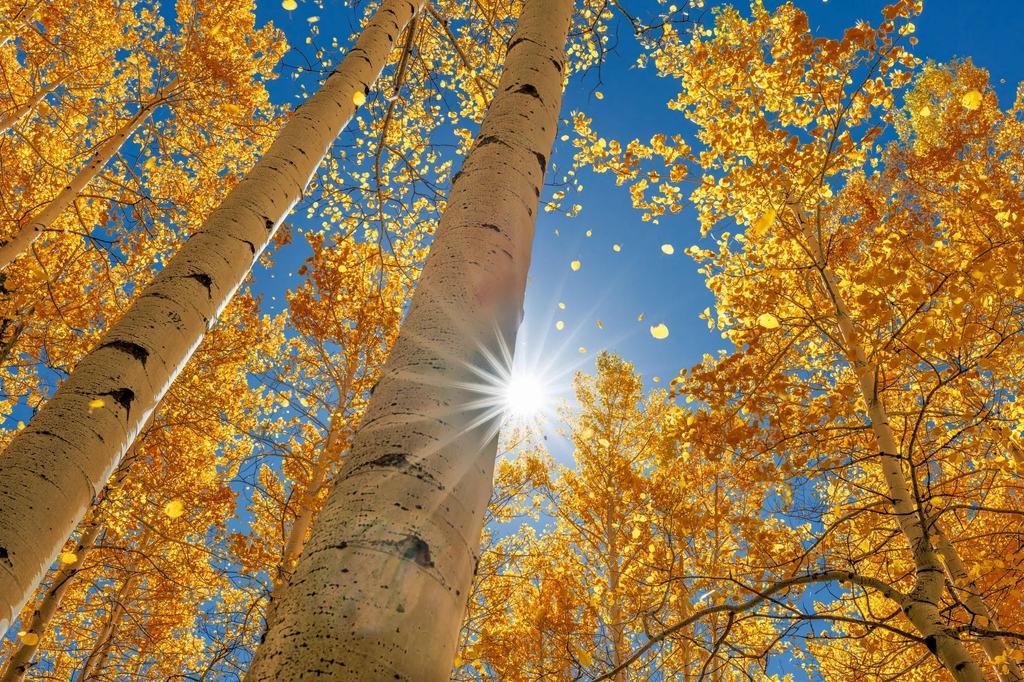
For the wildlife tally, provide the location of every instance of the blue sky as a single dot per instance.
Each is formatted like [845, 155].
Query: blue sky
[616, 287]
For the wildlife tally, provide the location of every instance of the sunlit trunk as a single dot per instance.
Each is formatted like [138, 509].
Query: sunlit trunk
[12, 117]
[27, 234]
[922, 609]
[381, 588]
[59, 462]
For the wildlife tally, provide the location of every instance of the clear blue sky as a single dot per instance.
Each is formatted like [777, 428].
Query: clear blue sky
[616, 287]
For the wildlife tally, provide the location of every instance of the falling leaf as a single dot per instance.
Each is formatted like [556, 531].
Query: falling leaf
[600, 324]
[559, 325]
[174, 509]
[667, 249]
[603, 442]
[96, 404]
[659, 332]
[598, 95]
[562, 306]
[582, 349]
[657, 380]
[359, 98]
[564, 138]
[313, 19]
[640, 317]
[68, 557]
[761, 225]
[972, 100]
[29, 638]
[768, 321]
[289, 5]
[590, 232]
[575, 265]
[616, 247]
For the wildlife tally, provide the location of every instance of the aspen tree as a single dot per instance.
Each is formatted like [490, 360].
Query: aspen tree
[381, 588]
[24, 237]
[57, 464]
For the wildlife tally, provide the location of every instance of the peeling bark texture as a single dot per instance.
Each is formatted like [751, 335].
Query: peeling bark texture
[922, 609]
[28, 233]
[380, 591]
[60, 461]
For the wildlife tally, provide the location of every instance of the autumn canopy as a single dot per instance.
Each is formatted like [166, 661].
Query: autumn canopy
[282, 397]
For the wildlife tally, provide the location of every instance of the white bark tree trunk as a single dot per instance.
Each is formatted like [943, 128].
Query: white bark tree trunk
[59, 462]
[380, 591]
[28, 233]
[21, 660]
[922, 608]
[8, 121]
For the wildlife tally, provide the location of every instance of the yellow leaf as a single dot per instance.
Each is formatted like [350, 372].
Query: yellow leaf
[562, 306]
[29, 638]
[458, 661]
[667, 249]
[289, 5]
[174, 509]
[925, 112]
[598, 95]
[604, 442]
[761, 225]
[582, 349]
[768, 321]
[586, 658]
[600, 324]
[640, 317]
[616, 247]
[359, 98]
[68, 557]
[575, 265]
[96, 404]
[559, 325]
[659, 332]
[590, 232]
[150, 163]
[972, 100]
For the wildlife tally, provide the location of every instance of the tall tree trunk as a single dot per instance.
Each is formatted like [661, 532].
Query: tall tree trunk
[922, 610]
[381, 589]
[995, 647]
[8, 121]
[54, 467]
[614, 608]
[21, 660]
[28, 233]
[96, 661]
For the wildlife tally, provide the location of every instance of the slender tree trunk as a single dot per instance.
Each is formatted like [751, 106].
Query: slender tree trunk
[96, 661]
[614, 610]
[54, 467]
[27, 234]
[381, 589]
[967, 591]
[922, 609]
[8, 121]
[21, 660]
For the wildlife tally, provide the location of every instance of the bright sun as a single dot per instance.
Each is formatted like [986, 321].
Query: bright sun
[525, 396]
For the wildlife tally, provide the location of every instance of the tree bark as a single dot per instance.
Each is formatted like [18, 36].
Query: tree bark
[21, 660]
[27, 234]
[54, 467]
[922, 608]
[381, 589]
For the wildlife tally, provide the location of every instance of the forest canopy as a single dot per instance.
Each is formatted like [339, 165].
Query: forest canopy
[516, 341]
